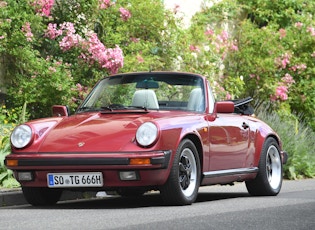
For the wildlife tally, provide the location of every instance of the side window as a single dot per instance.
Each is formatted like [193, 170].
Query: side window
[211, 100]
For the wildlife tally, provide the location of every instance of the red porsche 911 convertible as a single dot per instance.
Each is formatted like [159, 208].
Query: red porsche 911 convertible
[137, 132]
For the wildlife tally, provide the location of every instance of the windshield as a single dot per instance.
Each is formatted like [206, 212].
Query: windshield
[147, 91]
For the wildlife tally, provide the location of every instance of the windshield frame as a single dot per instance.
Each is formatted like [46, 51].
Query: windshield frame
[172, 89]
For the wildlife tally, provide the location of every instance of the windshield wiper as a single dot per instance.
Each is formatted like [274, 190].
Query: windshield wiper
[94, 109]
[138, 107]
[111, 108]
[107, 108]
[87, 108]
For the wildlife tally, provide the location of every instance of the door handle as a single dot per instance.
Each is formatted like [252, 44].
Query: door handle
[245, 126]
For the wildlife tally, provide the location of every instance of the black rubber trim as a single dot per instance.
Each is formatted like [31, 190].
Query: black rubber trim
[163, 160]
[73, 161]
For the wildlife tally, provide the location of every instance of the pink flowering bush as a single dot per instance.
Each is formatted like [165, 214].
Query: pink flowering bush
[95, 38]
[92, 49]
[274, 59]
[208, 47]
[266, 54]
[59, 49]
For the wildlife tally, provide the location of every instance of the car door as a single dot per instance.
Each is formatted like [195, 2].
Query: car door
[228, 142]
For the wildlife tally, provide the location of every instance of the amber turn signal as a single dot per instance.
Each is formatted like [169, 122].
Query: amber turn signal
[139, 161]
[12, 162]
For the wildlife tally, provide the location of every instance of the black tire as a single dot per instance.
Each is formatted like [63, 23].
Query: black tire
[131, 192]
[183, 182]
[41, 196]
[268, 181]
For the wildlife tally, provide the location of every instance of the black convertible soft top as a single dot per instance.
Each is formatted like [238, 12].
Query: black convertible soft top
[243, 106]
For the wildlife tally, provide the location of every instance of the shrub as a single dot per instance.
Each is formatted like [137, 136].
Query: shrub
[6, 176]
[298, 140]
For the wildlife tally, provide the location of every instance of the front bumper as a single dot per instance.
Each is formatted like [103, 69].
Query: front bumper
[151, 166]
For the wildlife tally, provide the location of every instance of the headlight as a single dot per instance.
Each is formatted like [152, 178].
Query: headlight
[146, 134]
[21, 136]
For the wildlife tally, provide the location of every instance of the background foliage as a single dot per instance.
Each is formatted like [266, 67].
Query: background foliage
[55, 51]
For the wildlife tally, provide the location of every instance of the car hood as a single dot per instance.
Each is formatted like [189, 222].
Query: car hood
[94, 132]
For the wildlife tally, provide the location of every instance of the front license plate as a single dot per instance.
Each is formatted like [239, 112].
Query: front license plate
[82, 179]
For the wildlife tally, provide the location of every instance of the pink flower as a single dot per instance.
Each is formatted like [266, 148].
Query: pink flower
[140, 59]
[135, 40]
[79, 87]
[281, 92]
[283, 61]
[311, 30]
[52, 69]
[234, 47]
[104, 4]
[43, 6]
[26, 28]
[194, 48]
[300, 68]
[228, 96]
[288, 79]
[111, 59]
[223, 37]
[68, 27]
[176, 8]
[69, 41]
[254, 76]
[298, 25]
[209, 32]
[273, 98]
[282, 33]
[124, 14]
[52, 32]
[114, 59]
[2, 37]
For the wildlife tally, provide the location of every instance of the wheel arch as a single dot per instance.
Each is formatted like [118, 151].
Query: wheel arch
[195, 139]
[260, 142]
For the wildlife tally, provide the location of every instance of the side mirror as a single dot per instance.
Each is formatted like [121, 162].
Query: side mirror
[60, 111]
[224, 107]
[221, 107]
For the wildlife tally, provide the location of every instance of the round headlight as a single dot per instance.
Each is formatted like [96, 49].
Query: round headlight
[147, 134]
[21, 136]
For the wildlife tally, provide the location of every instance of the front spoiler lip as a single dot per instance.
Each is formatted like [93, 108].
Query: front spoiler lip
[159, 159]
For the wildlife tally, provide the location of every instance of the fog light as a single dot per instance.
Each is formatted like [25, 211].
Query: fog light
[25, 176]
[128, 175]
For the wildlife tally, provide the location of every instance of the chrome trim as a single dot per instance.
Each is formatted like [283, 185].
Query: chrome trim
[230, 172]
